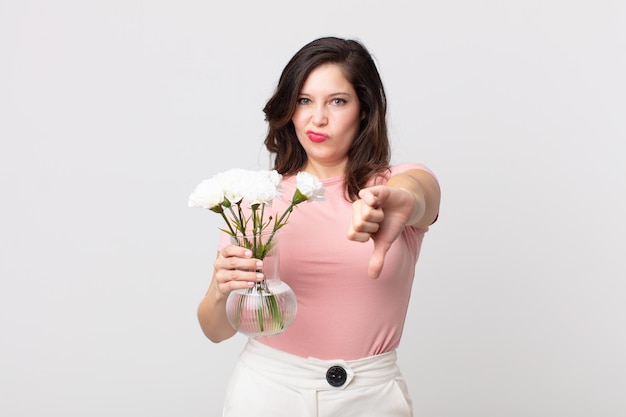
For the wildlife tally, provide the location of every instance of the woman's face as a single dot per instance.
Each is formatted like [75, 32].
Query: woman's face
[326, 120]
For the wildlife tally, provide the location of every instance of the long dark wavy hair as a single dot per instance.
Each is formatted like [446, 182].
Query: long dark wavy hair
[369, 154]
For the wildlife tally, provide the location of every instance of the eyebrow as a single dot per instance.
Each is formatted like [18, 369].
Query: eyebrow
[340, 93]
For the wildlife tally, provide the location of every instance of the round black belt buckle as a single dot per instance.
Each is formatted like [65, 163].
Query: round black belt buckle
[336, 376]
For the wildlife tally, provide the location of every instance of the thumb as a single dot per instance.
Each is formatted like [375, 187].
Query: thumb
[377, 259]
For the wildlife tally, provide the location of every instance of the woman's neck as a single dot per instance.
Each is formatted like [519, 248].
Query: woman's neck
[325, 171]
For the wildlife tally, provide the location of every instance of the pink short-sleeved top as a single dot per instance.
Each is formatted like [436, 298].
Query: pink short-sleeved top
[342, 313]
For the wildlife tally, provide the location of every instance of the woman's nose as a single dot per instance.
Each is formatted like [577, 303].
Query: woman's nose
[319, 116]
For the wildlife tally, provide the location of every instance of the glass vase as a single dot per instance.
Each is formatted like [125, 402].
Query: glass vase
[270, 306]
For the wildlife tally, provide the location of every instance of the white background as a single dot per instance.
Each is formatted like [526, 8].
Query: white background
[112, 111]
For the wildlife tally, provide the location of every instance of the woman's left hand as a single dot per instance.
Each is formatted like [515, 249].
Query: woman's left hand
[381, 213]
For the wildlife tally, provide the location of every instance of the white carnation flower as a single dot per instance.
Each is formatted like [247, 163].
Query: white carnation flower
[207, 194]
[273, 176]
[259, 189]
[234, 182]
[310, 186]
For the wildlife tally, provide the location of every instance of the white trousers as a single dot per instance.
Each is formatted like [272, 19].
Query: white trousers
[269, 383]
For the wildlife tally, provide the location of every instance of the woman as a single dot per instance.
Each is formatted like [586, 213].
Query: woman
[350, 259]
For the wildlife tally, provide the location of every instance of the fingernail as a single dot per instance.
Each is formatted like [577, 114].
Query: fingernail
[259, 276]
[259, 264]
[250, 284]
[248, 254]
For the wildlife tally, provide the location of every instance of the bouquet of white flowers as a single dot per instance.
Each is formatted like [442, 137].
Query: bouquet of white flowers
[240, 197]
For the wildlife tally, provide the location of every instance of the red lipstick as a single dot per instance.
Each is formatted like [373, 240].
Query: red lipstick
[316, 137]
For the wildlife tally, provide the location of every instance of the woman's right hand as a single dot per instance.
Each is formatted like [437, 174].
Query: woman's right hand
[235, 269]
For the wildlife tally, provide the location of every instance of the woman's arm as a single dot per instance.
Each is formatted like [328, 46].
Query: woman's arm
[425, 189]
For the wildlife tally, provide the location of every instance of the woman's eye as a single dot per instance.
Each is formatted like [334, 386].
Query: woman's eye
[303, 100]
[338, 101]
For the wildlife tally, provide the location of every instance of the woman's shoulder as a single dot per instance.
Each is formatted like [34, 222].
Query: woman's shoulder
[407, 166]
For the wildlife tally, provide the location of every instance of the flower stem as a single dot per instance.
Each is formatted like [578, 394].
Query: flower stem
[230, 227]
[279, 222]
